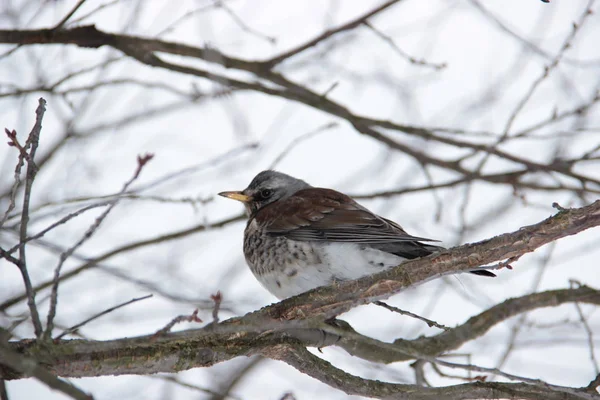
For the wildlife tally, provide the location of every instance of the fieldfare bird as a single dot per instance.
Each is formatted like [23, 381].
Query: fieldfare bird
[299, 237]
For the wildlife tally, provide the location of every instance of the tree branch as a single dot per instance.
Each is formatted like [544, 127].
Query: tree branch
[145, 51]
[30, 367]
[308, 363]
[256, 331]
[32, 144]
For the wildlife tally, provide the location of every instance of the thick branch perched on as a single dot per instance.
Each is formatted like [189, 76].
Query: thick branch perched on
[246, 336]
[263, 331]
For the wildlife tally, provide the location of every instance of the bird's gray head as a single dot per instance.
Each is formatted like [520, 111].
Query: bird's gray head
[266, 187]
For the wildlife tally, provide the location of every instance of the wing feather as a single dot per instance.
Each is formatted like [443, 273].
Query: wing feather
[317, 214]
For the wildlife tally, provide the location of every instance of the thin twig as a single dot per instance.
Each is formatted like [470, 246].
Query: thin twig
[521, 321]
[141, 162]
[32, 144]
[178, 22]
[429, 322]
[329, 33]
[177, 320]
[480, 378]
[588, 330]
[169, 177]
[225, 387]
[217, 298]
[6, 254]
[548, 69]
[300, 139]
[177, 381]
[402, 53]
[69, 15]
[94, 11]
[590, 337]
[512, 377]
[61, 221]
[17, 177]
[100, 314]
[92, 262]
[240, 22]
[545, 73]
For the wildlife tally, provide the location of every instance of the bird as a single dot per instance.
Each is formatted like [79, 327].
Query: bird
[299, 237]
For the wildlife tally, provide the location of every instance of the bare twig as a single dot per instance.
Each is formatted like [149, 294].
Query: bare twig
[464, 378]
[100, 314]
[92, 262]
[226, 386]
[141, 162]
[300, 139]
[9, 257]
[545, 73]
[61, 221]
[157, 289]
[179, 382]
[94, 11]
[177, 320]
[182, 19]
[17, 176]
[240, 22]
[512, 377]
[548, 69]
[31, 144]
[590, 337]
[402, 53]
[429, 322]
[520, 322]
[327, 34]
[217, 298]
[69, 14]
[588, 331]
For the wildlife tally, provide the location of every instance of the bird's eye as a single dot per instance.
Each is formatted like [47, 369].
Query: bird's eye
[266, 193]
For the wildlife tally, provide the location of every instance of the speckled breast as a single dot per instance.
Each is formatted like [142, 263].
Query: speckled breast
[265, 253]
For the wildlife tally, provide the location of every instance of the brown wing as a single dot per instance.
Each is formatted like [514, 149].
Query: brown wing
[317, 214]
[326, 215]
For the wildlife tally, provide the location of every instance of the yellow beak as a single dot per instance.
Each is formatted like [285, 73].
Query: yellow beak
[239, 196]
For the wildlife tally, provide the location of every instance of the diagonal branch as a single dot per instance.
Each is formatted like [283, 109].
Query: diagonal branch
[47, 334]
[93, 262]
[308, 363]
[329, 33]
[251, 334]
[267, 81]
[403, 350]
[244, 336]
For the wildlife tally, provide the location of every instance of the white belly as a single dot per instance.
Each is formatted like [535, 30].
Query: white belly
[338, 262]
